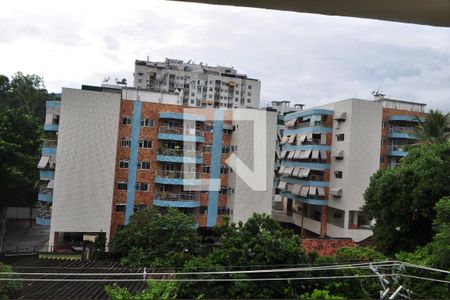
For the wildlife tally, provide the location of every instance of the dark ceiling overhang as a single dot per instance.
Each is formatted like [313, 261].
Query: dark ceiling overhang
[425, 12]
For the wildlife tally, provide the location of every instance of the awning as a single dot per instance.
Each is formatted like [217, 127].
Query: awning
[291, 155]
[315, 154]
[296, 171]
[323, 154]
[288, 170]
[282, 185]
[340, 116]
[283, 154]
[51, 184]
[292, 138]
[304, 191]
[336, 192]
[296, 189]
[289, 187]
[305, 172]
[321, 191]
[305, 154]
[338, 154]
[297, 154]
[290, 123]
[300, 138]
[43, 162]
[309, 137]
[312, 191]
[284, 139]
[281, 170]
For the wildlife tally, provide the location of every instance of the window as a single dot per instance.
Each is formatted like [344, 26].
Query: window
[146, 122]
[127, 120]
[207, 148]
[139, 207]
[122, 186]
[225, 149]
[224, 191]
[234, 148]
[338, 174]
[141, 187]
[223, 211]
[224, 170]
[206, 169]
[145, 144]
[340, 137]
[140, 80]
[237, 92]
[125, 142]
[208, 127]
[143, 165]
[249, 87]
[203, 210]
[123, 164]
[120, 207]
[249, 94]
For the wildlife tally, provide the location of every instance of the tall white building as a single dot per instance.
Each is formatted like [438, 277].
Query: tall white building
[328, 154]
[199, 85]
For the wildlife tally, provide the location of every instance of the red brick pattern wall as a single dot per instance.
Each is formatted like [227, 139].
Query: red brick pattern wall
[326, 247]
[151, 111]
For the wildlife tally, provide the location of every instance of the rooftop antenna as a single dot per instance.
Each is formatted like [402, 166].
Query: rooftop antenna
[106, 79]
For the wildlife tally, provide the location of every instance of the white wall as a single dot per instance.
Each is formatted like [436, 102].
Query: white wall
[245, 201]
[84, 175]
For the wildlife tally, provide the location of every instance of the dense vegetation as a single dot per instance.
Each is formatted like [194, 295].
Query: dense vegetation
[22, 111]
[9, 289]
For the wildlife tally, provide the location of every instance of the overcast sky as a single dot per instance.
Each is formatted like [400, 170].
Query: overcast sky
[303, 58]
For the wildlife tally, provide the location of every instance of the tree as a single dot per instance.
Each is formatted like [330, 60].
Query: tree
[358, 254]
[402, 199]
[9, 289]
[156, 239]
[259, 243]
[156, 290]
[434, 128]
[20, 141]
[24, 91]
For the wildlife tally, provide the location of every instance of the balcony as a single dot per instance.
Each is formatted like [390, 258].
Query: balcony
[44, 219]
[46, 174]
[45, 194]
[397, 151]
[177, 177]
[182, 116]
[181, 134]
[49, 147]
[179, 156]
[187, 200]
[51, 127]
[402, 118]
[402, 133]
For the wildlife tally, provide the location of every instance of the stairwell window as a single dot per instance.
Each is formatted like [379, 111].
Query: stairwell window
[145, 144]
[340, 137]
[125, 142]
[142, 187]
[123, 164]
[147, 122]
[338, 174]
[122, 186]
[143, 165]
[127, 120]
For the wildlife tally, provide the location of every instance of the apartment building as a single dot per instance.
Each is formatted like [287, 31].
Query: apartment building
[47, 161]
[326, 159]
[199, 85]
[123, 149]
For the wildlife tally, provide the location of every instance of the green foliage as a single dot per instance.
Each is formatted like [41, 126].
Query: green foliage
[434, 128]
[259, 243]
[157, 240]
[402, 199]
[24, 91]
[99, 245]
[20, 142]
[156, 290]
[9, 289]
[358, 254]
[319, 294]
